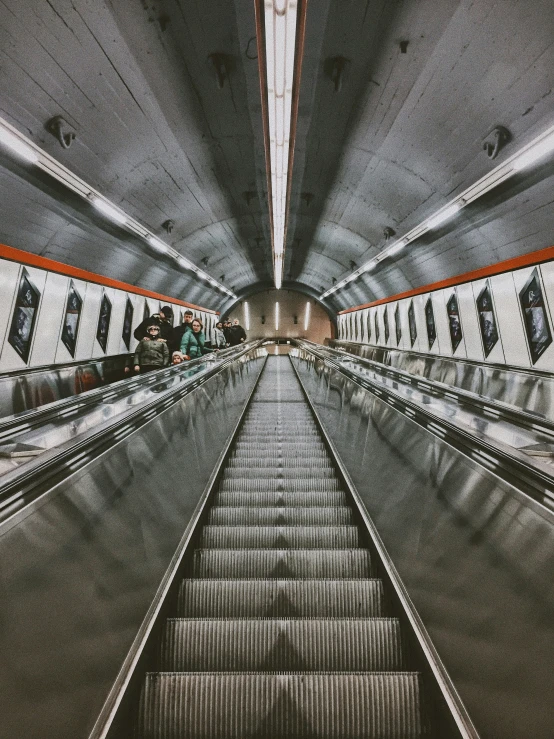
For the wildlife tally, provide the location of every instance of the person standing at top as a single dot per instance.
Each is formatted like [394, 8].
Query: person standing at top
[151, 352]
[163, 319]
[192, 343]
[179, 331]
[226, 330]
[237, 335]
[220, 340]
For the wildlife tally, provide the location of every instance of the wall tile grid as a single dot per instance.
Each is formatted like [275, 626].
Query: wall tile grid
[504, 319]
[45, 345]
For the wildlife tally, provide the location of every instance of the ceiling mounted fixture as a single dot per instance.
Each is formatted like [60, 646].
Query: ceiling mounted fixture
[539, 148]
[283, 23]
[30, 152]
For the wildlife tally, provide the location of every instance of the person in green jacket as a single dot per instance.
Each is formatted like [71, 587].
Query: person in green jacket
[152, 352]
[192, 343]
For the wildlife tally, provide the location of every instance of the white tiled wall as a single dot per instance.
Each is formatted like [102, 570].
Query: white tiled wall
[46, 345]
[512, 347]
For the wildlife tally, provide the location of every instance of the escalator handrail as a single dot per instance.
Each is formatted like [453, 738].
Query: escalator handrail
[534, 482]
[20, 487]
[11, 426]
[451, 696]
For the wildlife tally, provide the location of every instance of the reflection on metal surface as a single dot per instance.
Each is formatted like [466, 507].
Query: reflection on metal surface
[79, 571]
[475, 554]
[33, 388]
[529, 390]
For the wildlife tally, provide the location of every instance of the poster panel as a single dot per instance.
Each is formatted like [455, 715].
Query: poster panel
[71, 319]
[127, 323]
[412, 323]
[104, 322]
[397, 324]
[377, 332]
[145, 311]
[430, 322]
[386, 322]
[454, 321]
[535, 319]
[487, 319]
[368, 326]
[24, 317]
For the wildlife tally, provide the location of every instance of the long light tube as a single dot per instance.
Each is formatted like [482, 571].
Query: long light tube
[277, 316]
[280, 45]
[539, 148]
[307, 316]
[12, 139]
[246, 316]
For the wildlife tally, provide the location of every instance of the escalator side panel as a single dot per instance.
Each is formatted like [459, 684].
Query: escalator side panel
[475, 554]
[80, 571]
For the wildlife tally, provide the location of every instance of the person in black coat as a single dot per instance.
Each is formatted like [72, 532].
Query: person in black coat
[237, 335]
[179, 331]
[163, 319]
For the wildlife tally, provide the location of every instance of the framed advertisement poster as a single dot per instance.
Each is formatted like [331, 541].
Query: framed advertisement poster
[454, 321]
[104, 322]
[397, 324]
[430, 322]
[377, 332]
[145, 311]
[24, 317]
[535, 318]
[127, 323]
[412, 323]
[368, 326]
[487, 319]
[71, 319]
[386, 322]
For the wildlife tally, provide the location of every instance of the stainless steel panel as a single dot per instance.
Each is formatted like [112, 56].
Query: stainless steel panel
[79, 573]
[22, 391]
[476, 555]
[530, 390]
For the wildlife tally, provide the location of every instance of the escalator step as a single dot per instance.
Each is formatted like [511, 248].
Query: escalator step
[285, 598]
[271, 537]
[334, 516]
[268, 460]
[291, 473]
[328, 706]
[274, 500]
[270, 645]
[281, 563]
[280, 484]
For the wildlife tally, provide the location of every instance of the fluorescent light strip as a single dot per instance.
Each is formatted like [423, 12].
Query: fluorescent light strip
[280, 45]
[527, 156]
[246, 316]
[307, 316]
[23, 147]
[276, 316]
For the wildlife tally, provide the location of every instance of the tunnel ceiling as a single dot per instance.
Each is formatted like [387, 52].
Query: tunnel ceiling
[165, 138]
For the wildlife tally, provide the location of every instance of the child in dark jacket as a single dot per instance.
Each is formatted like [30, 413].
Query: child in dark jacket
[151, 352]
[192, 343]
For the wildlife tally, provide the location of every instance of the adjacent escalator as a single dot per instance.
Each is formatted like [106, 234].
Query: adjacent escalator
[281, 627]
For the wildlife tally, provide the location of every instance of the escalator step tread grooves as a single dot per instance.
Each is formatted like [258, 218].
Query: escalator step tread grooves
[281, 628]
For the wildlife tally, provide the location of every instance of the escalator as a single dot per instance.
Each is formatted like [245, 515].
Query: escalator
[283, 626]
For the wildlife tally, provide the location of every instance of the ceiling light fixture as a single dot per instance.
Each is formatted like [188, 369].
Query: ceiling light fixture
[280, 49]
[277, 316]
[246, 316]
[307, 316]
[20, 148]
[444, 215]
[23, 147]
[527, 156]
[109, 210]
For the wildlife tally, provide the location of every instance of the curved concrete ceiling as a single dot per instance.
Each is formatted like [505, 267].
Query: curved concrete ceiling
[162, 136]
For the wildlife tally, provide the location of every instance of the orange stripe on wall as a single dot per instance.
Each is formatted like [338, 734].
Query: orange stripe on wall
[509, 265]
[33, 260]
